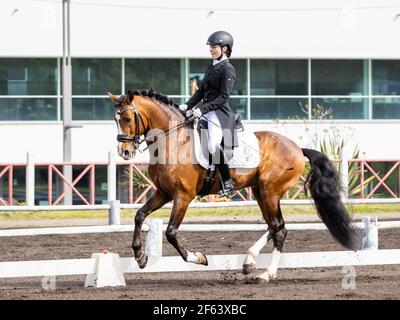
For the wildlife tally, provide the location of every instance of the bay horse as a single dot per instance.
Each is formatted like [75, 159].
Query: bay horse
[281, 164]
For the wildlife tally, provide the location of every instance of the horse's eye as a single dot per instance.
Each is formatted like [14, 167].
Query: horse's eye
[127, 119]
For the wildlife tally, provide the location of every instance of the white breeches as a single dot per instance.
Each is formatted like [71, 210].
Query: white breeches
[214, 131]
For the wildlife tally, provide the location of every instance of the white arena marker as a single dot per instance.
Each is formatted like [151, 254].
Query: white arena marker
[108, 271]
[370, 233]
[154, 238]
[114, 214]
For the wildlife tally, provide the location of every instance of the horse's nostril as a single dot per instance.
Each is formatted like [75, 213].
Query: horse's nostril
[126, 153]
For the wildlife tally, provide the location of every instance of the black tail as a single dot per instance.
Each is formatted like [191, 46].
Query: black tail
[324, 184]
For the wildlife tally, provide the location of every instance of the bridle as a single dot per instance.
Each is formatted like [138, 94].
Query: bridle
[135, 140]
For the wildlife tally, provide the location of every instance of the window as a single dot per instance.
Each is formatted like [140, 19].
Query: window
[277, 108]
[277, 88]
[91, 78]
[96, 76]
[240, 87]
[386, 108]
[344, 108]
[163, 75]
[336, 79]
[239, 105]
[28, 109]
[386, 77]
[339, 77]
[28, 76]
[92, 109]
[197, 70]
[278, 77]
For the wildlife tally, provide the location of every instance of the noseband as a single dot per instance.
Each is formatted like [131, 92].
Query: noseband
[135, 140]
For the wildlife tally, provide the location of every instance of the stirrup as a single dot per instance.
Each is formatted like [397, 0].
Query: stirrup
[228, 188]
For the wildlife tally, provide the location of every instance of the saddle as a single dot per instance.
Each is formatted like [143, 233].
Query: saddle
[245, 156]
[202, 126]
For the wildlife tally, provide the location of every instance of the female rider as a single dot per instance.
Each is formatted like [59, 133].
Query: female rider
[215, 90]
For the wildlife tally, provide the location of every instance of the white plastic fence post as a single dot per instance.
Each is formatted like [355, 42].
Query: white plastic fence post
[114, 213]
[112, 176]
[344, 175]
[370, 233]
[108, 271]
[30, 180]
[154, 238]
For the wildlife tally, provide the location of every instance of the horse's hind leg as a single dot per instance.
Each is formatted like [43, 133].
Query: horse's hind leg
[158, 199]
[270, 207]
[278, 232]
[249, 265]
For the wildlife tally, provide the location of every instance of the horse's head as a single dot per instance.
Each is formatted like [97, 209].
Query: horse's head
[127, 119]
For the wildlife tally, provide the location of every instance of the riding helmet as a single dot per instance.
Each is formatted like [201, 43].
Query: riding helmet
[222, 38]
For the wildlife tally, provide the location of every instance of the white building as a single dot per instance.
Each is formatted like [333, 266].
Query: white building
[343, 55]
[339, 54]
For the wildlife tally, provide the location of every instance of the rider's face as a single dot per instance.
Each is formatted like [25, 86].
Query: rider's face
[215, 51]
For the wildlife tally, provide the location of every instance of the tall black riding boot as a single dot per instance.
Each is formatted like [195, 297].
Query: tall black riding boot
[228, 187]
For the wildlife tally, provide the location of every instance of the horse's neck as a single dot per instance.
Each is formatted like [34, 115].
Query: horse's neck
[159, 117]
[161, 130]
[167, 126]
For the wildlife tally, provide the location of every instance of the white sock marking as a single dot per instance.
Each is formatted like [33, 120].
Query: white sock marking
[274, 264]
[254, 251]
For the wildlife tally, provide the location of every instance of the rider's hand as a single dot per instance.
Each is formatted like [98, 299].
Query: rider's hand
[183, 107]
[193, 114]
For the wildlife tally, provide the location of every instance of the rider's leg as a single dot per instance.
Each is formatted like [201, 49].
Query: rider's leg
[228, 187]
[214, 136]
[214, 131]
[218, 156]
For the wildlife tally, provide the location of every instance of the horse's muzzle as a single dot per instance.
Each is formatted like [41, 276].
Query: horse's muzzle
[128, 154]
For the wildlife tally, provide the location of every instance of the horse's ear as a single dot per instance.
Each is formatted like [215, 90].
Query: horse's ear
[113, 97]
[130, 96]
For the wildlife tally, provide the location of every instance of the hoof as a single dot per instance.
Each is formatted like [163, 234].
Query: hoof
[248, 268]
[201, 258]
[255, 280]
[262, 279]
[142, 261]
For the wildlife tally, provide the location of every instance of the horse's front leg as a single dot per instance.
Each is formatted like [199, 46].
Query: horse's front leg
[158, 199]
[179, 208]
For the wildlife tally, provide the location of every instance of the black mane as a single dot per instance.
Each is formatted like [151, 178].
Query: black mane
[157, 96]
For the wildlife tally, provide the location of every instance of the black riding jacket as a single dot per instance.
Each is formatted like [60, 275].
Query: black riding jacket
[215, 90]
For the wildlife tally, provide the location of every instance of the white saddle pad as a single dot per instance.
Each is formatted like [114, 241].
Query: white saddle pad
[247, 155]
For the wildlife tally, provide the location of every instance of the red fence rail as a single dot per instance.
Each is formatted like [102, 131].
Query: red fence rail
[365, 171]
[134, 168]
[71, 185]
[366, 167]
[10, 170]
